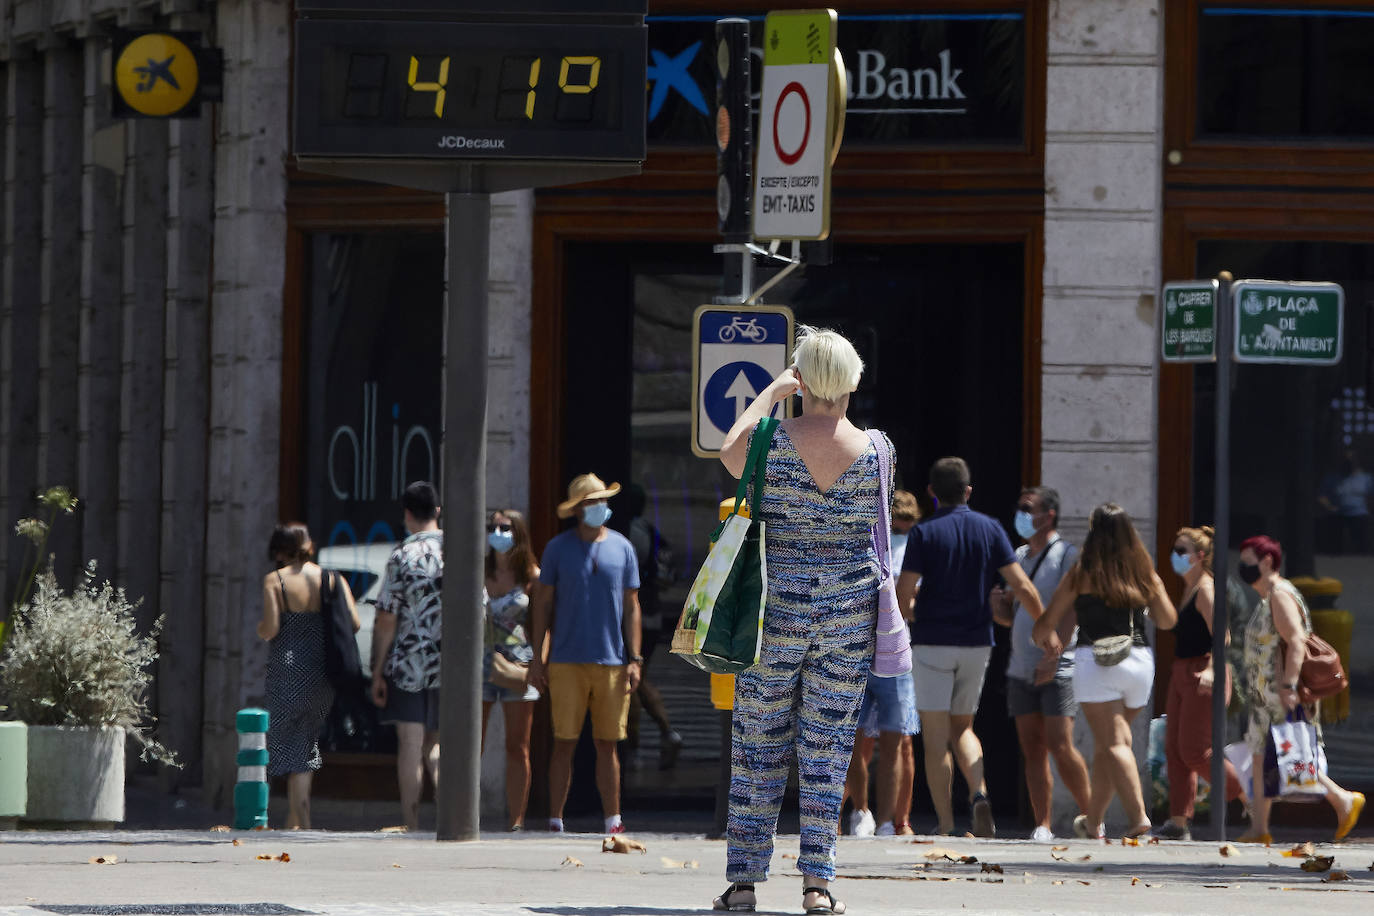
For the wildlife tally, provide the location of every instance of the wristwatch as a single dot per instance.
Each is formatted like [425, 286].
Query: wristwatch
[637, 659]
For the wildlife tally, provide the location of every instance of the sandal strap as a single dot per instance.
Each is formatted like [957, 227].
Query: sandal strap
[821, 890]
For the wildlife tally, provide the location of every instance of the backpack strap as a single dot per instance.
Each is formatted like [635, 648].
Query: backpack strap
[755, 468]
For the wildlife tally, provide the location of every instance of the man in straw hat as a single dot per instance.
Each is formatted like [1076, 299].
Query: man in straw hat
[588, 600]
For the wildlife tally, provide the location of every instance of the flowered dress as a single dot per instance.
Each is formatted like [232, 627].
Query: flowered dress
[505, 632]
[1262, 672]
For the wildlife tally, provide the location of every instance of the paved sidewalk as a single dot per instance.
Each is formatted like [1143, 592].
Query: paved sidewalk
[368, 874]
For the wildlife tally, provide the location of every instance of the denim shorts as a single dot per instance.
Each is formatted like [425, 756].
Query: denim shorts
[1054, 698]
[889, 705]
[491, 693]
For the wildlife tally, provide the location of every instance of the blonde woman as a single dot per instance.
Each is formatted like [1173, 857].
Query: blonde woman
[1188, 732]
[1110, 589]
[298, 693]
[820, 503]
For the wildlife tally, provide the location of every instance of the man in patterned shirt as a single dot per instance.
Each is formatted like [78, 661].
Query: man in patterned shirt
[405, 677]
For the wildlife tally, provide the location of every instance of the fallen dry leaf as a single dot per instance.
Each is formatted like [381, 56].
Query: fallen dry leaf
[1154, 841]
[938, 853]
[919, 843]
[220, 828]
[1300, 851]
[1058, 858]
[1134, 882]
[1085, 858]
[990, 867]
[1318, 863]
[1336, 875]
[400, 828]
[1085, 883]
[263, 858]
[1056, 883]
[1130, 841]
[968, 860]
[284, 857]
[788, 855]
[397, 865]
[1108, 840]
[236, 842]
[624, 844]
[674, 863]
[1228, 850]
[1059, 849]
[104, 860]
[575, 863]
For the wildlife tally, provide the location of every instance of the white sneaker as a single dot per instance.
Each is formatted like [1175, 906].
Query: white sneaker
[1042, 835]
[885, 829]
[861, 823]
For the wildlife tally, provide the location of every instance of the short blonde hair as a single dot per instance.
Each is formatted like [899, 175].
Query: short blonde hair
[828, 363]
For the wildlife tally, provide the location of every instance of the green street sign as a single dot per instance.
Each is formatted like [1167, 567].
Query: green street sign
[1188, 322]
[1289, 323]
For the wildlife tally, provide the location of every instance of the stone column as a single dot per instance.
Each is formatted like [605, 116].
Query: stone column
[1103, 211]
[19, 307]
[185, 415]
[58, 334]
[98, 370]
[245, 363]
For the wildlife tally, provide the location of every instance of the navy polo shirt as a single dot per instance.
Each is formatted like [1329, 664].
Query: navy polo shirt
[957, 553]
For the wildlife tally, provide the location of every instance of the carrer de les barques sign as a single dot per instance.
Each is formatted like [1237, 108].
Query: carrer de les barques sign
[914, 78]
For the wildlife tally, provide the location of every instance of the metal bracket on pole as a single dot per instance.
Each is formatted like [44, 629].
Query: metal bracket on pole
[746, 253]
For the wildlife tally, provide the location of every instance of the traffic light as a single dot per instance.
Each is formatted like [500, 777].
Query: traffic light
[734, 130]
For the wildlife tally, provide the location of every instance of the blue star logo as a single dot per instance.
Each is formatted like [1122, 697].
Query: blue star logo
[671, 73]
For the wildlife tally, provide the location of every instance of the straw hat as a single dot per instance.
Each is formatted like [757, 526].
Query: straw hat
[585, 486]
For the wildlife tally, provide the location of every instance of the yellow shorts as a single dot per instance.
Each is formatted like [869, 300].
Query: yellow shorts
[576, 688]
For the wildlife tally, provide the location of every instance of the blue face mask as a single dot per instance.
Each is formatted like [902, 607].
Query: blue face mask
[1180, 562]
[1024, 525]
[899, 541]
[596, 515]
[501, 541]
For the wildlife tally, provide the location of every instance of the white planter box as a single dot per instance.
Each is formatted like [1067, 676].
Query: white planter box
[75, 774]
[14, 768]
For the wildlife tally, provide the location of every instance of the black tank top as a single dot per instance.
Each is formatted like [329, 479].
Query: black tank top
[1097, 620]
[1192, 638]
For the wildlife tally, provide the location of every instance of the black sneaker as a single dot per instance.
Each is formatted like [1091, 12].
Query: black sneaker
[1171, 831]
[982, 818]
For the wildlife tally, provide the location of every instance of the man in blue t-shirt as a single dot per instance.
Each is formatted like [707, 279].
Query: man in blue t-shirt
[954, 556]
[588, 601]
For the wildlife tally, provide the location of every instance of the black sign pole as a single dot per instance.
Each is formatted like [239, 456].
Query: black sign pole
[1225, 324]
[458, 797]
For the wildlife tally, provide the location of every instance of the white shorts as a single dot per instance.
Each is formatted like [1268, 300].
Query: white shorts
[1129, 682]
[949, 678]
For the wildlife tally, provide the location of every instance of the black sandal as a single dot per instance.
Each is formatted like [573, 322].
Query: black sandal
[723, 901]
[834, 906]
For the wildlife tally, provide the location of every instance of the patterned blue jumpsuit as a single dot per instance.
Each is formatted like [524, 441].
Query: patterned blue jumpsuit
[803, 696]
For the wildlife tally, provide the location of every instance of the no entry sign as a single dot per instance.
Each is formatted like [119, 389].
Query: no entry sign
[797, 116]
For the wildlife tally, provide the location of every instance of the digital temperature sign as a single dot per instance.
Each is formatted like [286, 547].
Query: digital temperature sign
[452, 90]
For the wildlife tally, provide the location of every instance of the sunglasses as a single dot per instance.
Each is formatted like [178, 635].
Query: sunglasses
[504, 529]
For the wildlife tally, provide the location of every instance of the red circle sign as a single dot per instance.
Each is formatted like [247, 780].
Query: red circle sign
[791, 158]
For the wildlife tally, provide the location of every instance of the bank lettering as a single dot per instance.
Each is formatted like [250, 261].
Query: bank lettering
[876, 80]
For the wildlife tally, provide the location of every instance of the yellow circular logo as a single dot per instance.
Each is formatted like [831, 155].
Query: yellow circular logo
[156, 75]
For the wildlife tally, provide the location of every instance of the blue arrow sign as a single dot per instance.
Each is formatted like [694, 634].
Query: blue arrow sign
[739, 350]
[731, 389]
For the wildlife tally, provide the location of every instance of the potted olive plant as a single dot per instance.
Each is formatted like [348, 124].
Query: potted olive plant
[75, 670]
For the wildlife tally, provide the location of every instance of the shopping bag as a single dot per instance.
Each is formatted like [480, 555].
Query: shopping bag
[892, 645]
[721, 628]
[1298, 756]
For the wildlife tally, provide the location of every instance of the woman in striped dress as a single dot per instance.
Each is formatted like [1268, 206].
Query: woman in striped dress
[819, 504]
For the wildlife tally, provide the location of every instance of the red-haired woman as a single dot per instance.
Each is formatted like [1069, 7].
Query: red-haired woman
[1281, 619]
[510, 572]
[1111, 587]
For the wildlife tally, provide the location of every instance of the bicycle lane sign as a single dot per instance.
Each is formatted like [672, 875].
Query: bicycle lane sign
[736, 352]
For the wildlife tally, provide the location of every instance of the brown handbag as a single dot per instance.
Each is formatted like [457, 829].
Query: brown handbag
[1321, 675]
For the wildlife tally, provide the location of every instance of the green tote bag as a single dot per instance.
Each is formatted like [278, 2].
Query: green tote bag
[721, 629]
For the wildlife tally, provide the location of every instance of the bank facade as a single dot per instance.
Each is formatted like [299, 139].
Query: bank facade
[204, 338]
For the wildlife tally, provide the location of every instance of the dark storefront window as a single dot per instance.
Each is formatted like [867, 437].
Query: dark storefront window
[1293, 73]
[372, 377]
[914, 78]
[938, 328]
[1302, 447]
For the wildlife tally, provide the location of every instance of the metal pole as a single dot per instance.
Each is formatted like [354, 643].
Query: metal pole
[1225, 325]
[464, 516]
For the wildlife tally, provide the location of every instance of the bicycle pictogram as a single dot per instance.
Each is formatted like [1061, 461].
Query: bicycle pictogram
[750, 330]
